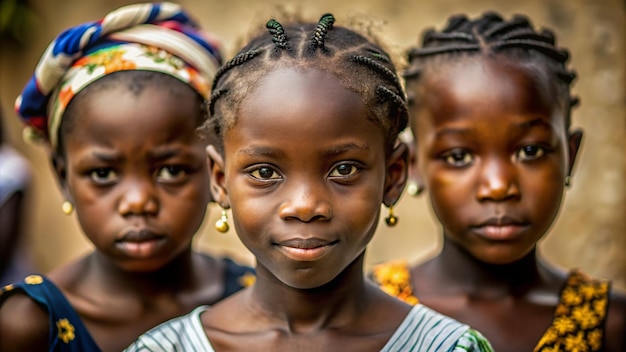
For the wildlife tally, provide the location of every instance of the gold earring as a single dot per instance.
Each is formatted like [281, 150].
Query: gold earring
[414, 189]
[67, 207]
[568, 181]
[391, 220]
[221, 225]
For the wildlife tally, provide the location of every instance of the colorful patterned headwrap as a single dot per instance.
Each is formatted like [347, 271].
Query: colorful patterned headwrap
[155, 37]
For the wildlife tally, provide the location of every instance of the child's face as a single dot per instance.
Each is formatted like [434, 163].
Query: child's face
[137, 174]
[305, 173]
[493, 151]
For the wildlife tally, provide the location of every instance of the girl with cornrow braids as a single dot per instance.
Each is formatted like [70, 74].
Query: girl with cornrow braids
[490, 111]
[308, 116]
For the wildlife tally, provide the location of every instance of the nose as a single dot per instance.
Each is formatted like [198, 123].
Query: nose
[306, 203]
[138, 198]
[498, 181]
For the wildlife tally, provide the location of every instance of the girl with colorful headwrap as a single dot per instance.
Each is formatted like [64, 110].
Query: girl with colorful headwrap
[118, 102]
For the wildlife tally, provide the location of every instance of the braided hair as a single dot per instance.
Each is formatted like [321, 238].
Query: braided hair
[491, 35]
[359, 63]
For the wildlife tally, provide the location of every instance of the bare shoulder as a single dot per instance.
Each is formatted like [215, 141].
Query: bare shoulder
[24, 325]
[615, 332]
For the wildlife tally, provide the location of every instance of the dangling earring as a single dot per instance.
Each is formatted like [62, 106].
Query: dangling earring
[67, 207]
[391, 220]
[568, 181]
[221, 225]
[414, 189]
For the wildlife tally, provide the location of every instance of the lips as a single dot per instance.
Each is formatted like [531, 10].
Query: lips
[141, 243]
[306, 250]
[504, 228]
[308, 243]
[141, 235]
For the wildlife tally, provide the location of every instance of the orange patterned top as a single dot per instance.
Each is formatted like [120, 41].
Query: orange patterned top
[579, 317]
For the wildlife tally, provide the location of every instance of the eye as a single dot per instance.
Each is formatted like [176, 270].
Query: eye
[343, 170]
[265, 173]
[458, 158]
[103, 175]
[530, 152]
[171, 173]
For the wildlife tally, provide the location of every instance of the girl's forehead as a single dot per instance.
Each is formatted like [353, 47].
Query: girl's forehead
[302, 105]
[488, 81]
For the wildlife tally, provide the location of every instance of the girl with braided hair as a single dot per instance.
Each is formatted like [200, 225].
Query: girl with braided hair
[494, 147]
[118, 102]
[308, 116]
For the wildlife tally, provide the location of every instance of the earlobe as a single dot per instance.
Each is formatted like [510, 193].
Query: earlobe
[217, 175]
[415, 185]
[574, 141]
[397, 170]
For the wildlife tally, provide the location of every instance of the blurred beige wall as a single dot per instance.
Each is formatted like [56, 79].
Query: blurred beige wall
[591, 230]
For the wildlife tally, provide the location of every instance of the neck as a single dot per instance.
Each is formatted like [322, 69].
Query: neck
[299, 310]
[178, 275]
[465, 272]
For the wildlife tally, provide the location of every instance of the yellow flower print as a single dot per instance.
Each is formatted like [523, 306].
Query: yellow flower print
[7, 288]
[563, 325]
[247, 280]
[585, 316]
[589, 291]
[571, 297]
[576, 343]
[561, 309]
[549, 337]
[33, 280]
[599, 306]
[391, 290]
[66, 330]
[594, 339]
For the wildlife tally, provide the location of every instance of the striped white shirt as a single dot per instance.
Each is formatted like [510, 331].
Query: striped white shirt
[422, 330]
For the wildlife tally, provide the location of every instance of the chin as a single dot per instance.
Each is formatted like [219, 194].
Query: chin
[501, 257]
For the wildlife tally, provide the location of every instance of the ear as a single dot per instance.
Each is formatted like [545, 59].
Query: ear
[217, 175]
[575, 138]
[59, 166]
[414, 176]
[397, 169]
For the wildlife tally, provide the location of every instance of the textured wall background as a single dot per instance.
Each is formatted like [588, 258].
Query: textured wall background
[591, 230]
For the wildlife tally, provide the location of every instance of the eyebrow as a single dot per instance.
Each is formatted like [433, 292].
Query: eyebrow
[343, 148]
[260, 151]
[164, 154]
[106, 157]
[535, 122]
[332, 151]
[452, 131]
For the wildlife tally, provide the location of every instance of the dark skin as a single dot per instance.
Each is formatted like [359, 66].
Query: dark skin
[493, 151]
[11, 213]
[305, 171]
[139, 201]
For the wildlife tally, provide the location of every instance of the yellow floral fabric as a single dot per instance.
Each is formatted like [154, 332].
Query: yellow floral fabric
[394, 278]
[578, 324]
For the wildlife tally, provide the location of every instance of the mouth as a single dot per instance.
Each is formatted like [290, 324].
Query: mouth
[309, 249]
[503, 228]
[141, 243]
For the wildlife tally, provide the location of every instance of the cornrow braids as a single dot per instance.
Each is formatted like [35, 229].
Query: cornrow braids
[490, 34]
[358, 61]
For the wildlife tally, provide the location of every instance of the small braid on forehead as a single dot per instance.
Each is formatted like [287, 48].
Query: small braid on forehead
[490, 34]
[359, 63]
